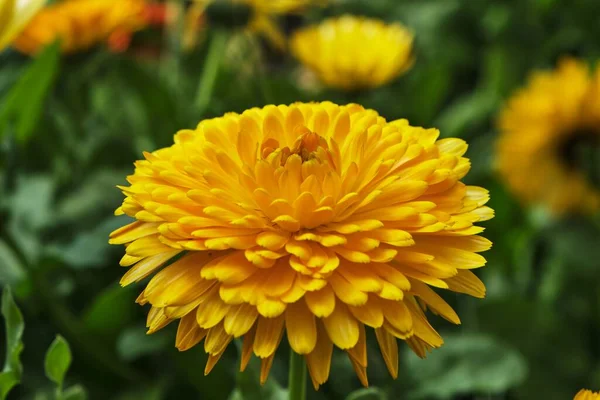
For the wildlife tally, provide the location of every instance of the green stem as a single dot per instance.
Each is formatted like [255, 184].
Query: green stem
[171, 64]
[297, 380]
[211, 70]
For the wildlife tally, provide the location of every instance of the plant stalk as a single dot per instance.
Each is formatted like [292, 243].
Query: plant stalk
[297, 377]
[210, 72]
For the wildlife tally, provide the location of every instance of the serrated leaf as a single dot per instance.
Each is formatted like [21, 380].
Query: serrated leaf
[24, 103]
[367, 394]
[58, 360]
[14, 326]
[75, 392]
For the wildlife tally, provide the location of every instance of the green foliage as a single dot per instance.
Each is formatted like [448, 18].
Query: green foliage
[75, 392]
[23, 106]
[14, 326]
[249, 388]
[467, 363]
[367, 394]
[57, 361]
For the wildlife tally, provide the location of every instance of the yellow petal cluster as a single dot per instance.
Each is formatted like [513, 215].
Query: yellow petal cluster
[14, 15]
[312, 221]
[351, 52]
[585, 394]
[539, 125]
[80, 24]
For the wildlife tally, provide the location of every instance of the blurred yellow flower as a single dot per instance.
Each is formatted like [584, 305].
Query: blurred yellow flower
[311, 219]
[14, 15]
[81, 24]
[587, 395]
[546, 130]
[354, 52]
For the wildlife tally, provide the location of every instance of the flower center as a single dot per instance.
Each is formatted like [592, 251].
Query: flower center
[581, 152]
[309, 145]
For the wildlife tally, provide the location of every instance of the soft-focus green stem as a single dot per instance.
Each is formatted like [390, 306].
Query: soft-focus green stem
[297, 380]
[171, 63]
[211, 70]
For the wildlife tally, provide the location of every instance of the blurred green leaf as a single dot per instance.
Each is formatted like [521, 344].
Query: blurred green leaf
[98, 190]
[30, 210]
[190, 367]
[467, 364]
[58, 360]
[14, 326]
[465, 113]
[367, 394]
[135, 342]
[517, 319]
[154, 392]
[12, 270]
[111, 310]
[248, 385]
[8, 380]
[88, 249]
[24, 103]
[75, 392]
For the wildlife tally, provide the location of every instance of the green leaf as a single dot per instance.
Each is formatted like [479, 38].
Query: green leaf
[13, 320]
[8, 380]
[75, 392]
[99, 188]
[465, 113]
[367, 394]
[30, 210]
[154, 392]
[88, 249]
[111, 310]
[24, 103]
[58, 360]
[248, 385]
[14, 325]
[12, 270]
[467, 364]
[134, 343]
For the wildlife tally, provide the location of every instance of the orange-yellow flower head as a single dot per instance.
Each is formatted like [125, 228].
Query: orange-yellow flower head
[309, 220]
[354, 52]
[550, 131]
[14, 15]
[585, 394]
[81, 24]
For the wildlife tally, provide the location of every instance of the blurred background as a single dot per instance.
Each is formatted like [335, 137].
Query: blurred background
[73, 121]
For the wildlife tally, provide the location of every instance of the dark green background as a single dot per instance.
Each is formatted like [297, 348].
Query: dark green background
[73, 125]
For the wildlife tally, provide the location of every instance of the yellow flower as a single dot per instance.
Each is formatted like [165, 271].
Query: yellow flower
[354, 52]
[80, 24]
[585, 394]
[14, 15]
[545, 128]
[311, 219]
